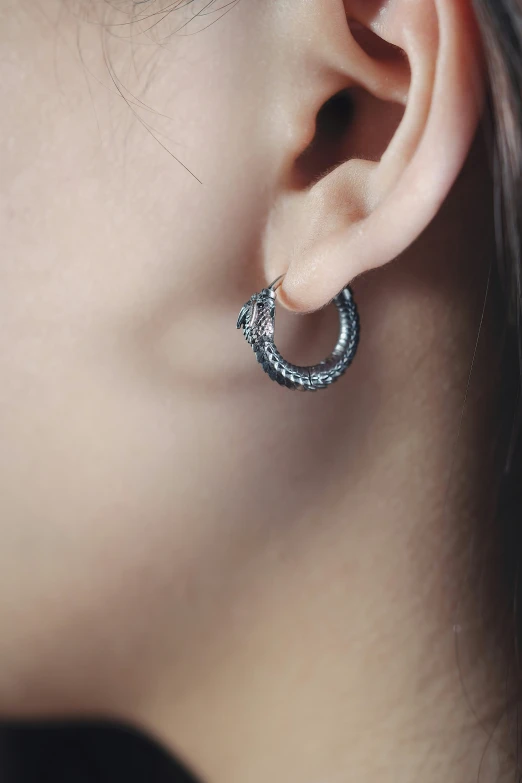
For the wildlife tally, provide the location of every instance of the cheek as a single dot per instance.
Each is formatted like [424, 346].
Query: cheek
[115, 284]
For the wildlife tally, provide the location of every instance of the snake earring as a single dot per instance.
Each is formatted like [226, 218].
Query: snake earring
[257, 317]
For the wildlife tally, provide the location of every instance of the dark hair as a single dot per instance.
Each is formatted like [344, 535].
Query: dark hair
[96, 753]
[500, 25]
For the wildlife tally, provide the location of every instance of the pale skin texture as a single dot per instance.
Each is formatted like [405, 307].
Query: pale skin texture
[267, 582]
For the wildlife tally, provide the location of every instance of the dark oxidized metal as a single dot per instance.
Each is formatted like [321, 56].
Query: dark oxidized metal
[257, 317]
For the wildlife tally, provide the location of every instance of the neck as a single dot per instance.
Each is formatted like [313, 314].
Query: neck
[346, 644]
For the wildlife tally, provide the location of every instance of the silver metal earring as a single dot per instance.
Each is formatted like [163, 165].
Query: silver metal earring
[257, 317]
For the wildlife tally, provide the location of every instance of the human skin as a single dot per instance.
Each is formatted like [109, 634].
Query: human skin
[272, 584]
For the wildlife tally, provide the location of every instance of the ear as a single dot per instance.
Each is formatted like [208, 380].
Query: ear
[409, 76]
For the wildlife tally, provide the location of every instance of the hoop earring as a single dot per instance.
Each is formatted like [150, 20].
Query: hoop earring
[257, 317]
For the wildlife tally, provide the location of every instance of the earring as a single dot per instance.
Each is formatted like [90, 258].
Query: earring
[257, 318]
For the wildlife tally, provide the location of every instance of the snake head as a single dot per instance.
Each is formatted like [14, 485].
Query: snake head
[257, 317]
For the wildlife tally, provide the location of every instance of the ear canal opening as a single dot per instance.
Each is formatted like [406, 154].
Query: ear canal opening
[326, 150]
[355, 123]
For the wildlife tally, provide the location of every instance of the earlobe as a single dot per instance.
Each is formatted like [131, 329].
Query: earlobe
[364, 212]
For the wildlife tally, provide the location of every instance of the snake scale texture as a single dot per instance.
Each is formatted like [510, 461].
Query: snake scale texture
[257, 317]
